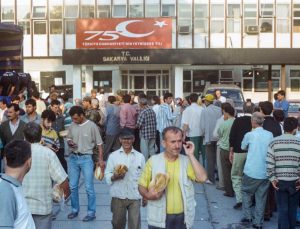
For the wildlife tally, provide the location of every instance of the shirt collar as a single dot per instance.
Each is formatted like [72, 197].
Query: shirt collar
[10, 179]
[123, 151]
[17, 123]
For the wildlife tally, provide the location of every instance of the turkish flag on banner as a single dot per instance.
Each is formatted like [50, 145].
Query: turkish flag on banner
[119, 33]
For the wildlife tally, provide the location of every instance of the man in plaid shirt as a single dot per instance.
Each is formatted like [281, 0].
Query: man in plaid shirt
[147, 125]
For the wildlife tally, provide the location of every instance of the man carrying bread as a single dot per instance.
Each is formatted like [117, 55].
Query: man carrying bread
[166, 183]
[123, 170]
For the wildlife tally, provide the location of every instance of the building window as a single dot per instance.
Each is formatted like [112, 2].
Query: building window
[217, 11]
[168, 10]
[201, 18]
[196, 80]
[136, 11]
[23, 9]
[295, 80]
[87, 8]
[152, 8]
[234, 18]
[7, 10]
[39, 27]
[70, 27]
[26, 27]
[283, 18]
[71, 9]
[55, 27]
[266, 10]
[234, 11]
[119, 11]
[296, 19]
[55, 12]
[250, 10]
[103, 11]
[258, 78]
[266, 25]
[185, 14]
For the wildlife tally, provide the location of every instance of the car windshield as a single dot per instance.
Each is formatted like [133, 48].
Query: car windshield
[294, 107]
[233, 94]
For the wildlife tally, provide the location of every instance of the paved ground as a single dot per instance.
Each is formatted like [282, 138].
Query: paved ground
[213, 211]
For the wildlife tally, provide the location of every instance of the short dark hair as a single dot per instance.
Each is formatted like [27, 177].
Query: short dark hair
[229, 110]
[4, 101]
[266, 107]
[30, 102]
[15, 106]
[278, 115]
[15, 97]
[281, 92]
[247, 108]
[290, 124]
[65, 97]
[173, 129]
[193, 98]
[111, 99]
[76, 110]
[156, 99]
[126, 98]
[48, 114]
[167, 95]
[53, 86]
[224, 105]
[17, 152]
[55, 102]
[32, 132]
[275, 96]
[87, 99]
[35, 94]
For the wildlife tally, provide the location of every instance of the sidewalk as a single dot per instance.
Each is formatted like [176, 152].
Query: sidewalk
[213, 211]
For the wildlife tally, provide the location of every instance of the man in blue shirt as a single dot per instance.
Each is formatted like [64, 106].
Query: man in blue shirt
[281, 103]
[255, 182]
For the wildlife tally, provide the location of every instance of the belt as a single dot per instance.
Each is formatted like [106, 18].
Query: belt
[79, 154]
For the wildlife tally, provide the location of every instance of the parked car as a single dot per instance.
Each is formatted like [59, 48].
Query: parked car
[294, 108]
[230, 92]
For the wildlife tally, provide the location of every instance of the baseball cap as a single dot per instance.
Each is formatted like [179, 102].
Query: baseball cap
[126, 133]
[209, 98]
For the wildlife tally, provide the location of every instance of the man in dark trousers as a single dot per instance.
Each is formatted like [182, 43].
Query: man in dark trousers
[270, 124]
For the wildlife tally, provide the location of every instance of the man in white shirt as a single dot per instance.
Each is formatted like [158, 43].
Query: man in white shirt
[3, 108]
[124, 187]
[191, 123]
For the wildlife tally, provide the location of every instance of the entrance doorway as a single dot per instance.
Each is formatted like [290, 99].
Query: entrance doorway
[102, 79]
[150, 82]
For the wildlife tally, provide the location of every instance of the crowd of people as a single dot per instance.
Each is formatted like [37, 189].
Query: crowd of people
[252, 156]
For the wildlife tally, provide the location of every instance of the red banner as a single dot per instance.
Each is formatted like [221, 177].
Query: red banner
[119, 33]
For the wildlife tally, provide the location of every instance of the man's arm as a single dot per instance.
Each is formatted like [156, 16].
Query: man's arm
[200, 172]
[150, 194]
[8, 207]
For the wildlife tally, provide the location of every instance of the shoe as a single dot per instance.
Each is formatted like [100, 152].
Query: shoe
[245, 221]
[208, 182]
[257, 227]
[237, 206]
[220, 188]
[72, 215]
[88, 218]
[228, 195]
[267, 218]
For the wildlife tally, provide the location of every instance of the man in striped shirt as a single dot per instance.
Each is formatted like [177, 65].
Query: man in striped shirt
[283, 171]
[165, 116]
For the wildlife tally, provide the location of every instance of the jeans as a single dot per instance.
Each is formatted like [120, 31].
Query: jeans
[85, 165]
[287, 203]
[226, 170]
[257, 188]
[148, 147]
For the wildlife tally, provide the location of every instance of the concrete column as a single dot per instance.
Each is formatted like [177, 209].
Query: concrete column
[178, 78]
[116, 80]
[88, 79]
[77, 82]
[283, 77]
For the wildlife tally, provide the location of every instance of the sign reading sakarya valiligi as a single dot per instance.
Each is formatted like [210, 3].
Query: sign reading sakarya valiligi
[118, 33]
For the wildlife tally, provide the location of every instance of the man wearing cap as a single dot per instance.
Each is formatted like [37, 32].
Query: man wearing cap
[124, 188]
[208, 121]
